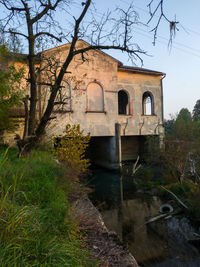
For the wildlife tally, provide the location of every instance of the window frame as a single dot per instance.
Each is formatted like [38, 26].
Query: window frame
[145, 95]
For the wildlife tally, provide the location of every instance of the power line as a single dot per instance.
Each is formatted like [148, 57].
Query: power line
[145, 11]
[177, 48]
[175, 44]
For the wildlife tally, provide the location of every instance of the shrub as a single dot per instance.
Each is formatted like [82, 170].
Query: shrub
[70, 148]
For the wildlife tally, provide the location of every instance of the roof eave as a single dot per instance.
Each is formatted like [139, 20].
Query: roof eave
[141, 71]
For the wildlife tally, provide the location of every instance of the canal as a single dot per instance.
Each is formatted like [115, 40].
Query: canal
[130, 212]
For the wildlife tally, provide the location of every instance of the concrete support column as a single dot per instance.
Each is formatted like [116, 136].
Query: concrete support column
[118, 143]
[106, 151]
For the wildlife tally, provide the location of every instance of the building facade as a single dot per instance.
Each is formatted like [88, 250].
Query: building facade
[118, 105]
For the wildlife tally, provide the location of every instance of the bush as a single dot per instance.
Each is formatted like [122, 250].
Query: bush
[70, 148]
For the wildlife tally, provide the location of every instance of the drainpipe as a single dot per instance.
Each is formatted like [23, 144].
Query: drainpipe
[141, 125]
[162, 112]
[156, 126]
[126, 124]
[162, 105]
[118, 144]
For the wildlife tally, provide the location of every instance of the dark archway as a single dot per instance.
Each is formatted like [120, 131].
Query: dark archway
[123, 103]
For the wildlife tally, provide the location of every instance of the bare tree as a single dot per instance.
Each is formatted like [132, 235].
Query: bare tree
[35, 21]
[158, 10]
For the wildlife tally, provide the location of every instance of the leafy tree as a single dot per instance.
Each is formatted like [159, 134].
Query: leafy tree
[184, 115]
[169, 125]
[180, 144]
[196, 111]
[111, 31]
[182, 148]
[183, 126]
[10, 95]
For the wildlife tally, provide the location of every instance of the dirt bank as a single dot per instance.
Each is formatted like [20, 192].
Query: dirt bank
[104, 245]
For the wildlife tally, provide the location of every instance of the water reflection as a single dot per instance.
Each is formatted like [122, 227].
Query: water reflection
[126, 212]
[128, 220]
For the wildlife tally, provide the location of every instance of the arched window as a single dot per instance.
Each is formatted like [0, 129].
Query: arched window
[62, 102]
[123, 102]
[147, 104]
[95, 98]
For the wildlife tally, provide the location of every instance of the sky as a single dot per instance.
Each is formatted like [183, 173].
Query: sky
[181, 62]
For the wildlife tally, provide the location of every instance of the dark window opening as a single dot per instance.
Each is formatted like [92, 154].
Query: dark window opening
[123, 105]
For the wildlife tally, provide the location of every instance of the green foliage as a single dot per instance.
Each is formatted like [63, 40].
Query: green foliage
[184, 115]
[179, 160]
[189, 193]
[169, 125]
[11, 42]
[179, 143]
[144, 174]
[36, 226]
[10, 95]
[70, 148]
[148, 177]
[183, 126]
[193, 199]
[153, 153]
[196, 111]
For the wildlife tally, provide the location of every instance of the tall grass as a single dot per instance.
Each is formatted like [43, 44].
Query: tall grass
[36, 227]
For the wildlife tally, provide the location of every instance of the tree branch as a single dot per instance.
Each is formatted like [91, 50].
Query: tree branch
[47, 7]
[172, 23]
[108, 47]
[16, 33]
[11, 8]
[48, 34]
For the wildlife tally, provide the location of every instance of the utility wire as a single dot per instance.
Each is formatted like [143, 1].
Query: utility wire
[176, 45]
[177, 48]
[188, 30]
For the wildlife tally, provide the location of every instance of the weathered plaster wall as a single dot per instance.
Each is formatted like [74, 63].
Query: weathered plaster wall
[135, 85]
[8, 136]
[102, 69]
[98, 68]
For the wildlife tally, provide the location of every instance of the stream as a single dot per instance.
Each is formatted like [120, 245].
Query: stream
[167, 242]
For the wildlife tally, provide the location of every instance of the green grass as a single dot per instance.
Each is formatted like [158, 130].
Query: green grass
[36, 227]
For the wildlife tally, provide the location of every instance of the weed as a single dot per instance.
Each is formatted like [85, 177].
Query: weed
[36, 226]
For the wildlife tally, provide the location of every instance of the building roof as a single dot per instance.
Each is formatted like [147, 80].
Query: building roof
[79, 41]
[121, 67]
[140, 70]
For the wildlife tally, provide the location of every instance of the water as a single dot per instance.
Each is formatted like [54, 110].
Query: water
[163, 243]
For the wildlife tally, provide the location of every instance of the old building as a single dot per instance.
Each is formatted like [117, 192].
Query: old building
[119, 105]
